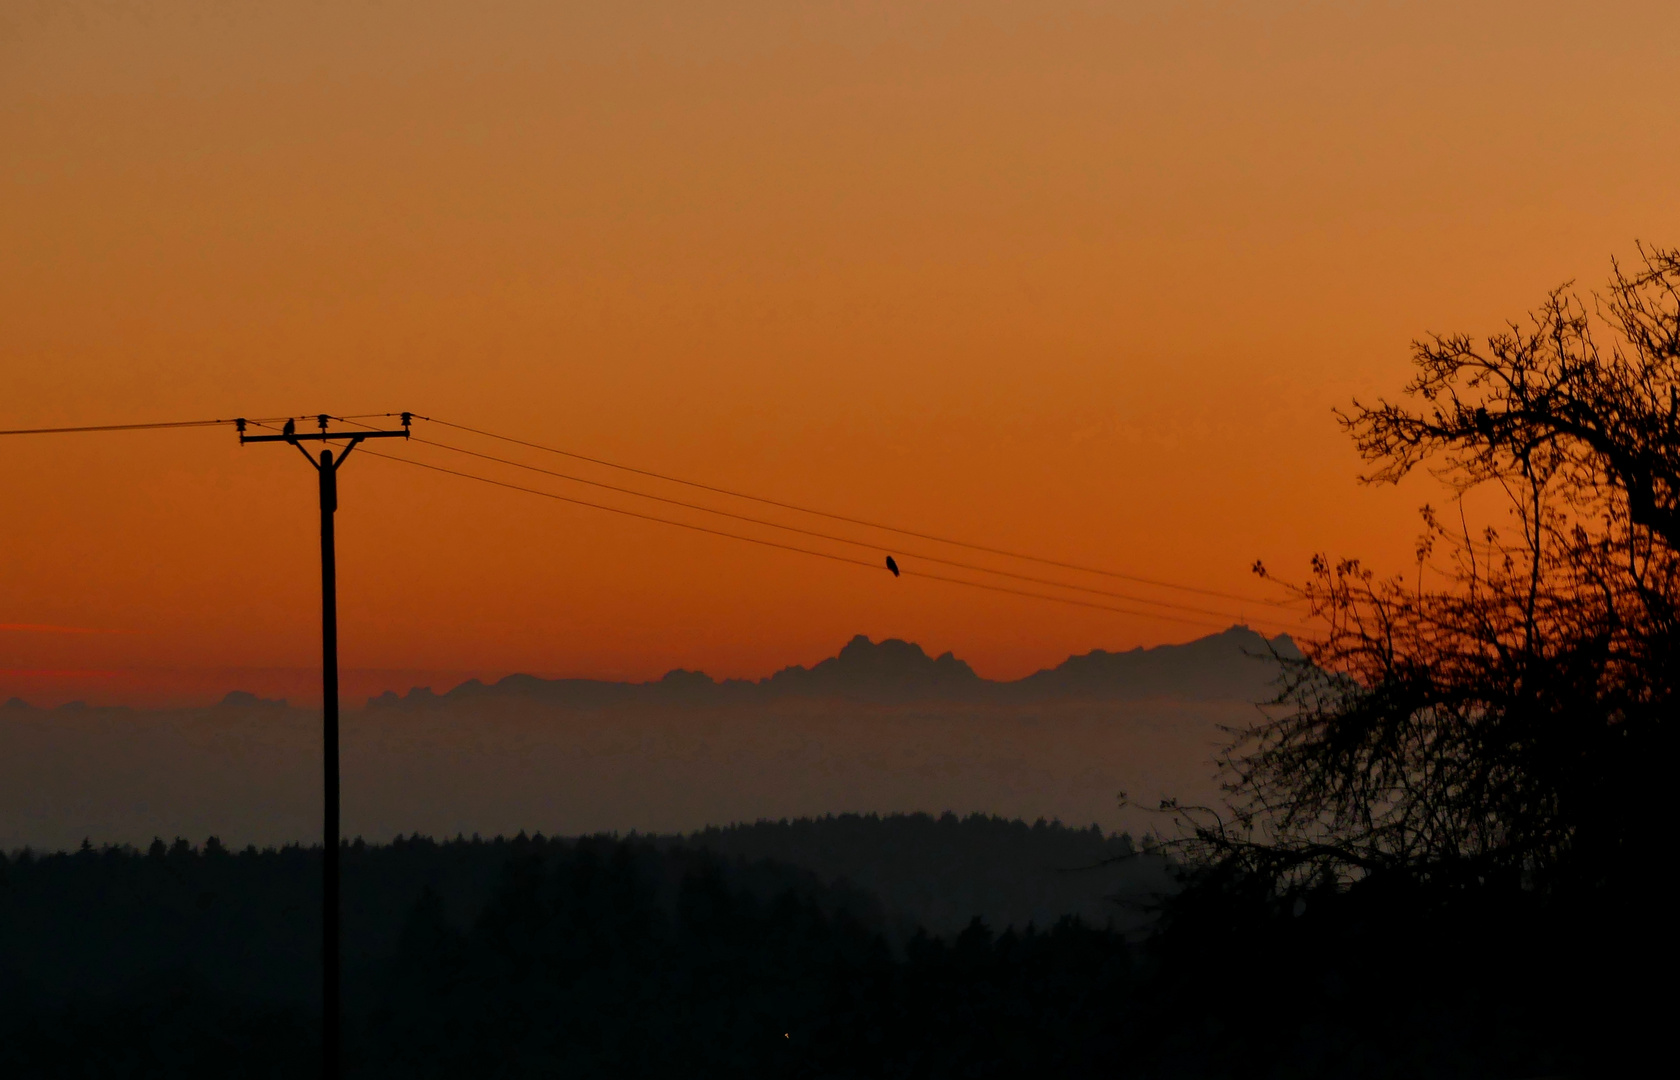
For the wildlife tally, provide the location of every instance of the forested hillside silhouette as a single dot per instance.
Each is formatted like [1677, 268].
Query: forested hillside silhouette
[97, 919]
[941, 872]
[534, 957]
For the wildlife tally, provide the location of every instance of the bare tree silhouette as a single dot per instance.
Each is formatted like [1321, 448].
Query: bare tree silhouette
[1504, 714]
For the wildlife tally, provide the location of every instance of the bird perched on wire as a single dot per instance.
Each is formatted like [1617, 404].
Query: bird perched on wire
[892, 565]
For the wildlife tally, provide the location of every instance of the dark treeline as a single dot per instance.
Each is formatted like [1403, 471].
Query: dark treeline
[595, 957]
[247, 923]
[941, 872]
[603, 957]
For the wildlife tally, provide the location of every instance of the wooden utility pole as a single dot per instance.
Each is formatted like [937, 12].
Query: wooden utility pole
[327, 467]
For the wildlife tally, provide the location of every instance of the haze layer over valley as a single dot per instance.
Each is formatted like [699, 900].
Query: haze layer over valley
[879, 728]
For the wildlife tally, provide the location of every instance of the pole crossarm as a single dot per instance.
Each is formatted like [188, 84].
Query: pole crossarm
[318, 436]
[290, 434]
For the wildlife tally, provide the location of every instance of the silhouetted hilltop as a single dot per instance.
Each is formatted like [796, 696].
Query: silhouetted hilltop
[1231, 665]
[943, 872]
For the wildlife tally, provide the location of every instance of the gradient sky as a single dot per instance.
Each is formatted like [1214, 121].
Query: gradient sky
[1083, 279]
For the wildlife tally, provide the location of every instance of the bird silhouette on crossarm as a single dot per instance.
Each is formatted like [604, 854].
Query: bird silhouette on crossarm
[290, 428]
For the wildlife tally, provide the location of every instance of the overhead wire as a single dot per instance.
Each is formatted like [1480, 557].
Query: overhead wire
[621, 510]
[856, 520]
[114, 427]
[265, 422]
[785, 547]
[921, 555]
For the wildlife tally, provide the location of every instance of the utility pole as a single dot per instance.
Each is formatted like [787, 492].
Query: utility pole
[327, 467]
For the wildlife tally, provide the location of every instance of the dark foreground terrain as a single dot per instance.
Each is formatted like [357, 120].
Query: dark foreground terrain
[699, 957]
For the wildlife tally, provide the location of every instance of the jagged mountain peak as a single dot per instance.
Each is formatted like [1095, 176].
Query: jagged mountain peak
[891, 667]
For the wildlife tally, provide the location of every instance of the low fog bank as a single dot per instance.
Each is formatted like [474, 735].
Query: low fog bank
[251, 774]
[868, 732]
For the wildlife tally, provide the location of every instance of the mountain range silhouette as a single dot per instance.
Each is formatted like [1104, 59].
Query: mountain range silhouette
[880, 727]
[1233, 664]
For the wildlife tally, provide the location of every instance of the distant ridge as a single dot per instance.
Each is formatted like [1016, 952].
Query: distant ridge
[1235, 664]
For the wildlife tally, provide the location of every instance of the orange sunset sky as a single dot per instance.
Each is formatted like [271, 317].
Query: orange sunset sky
[1079, 279]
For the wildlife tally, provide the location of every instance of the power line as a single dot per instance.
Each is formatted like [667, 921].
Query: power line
[864, 522]
[1060, 599]
[859, 521]
[790, 547]
[958, 564]
[621, 510]
[114, 427]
